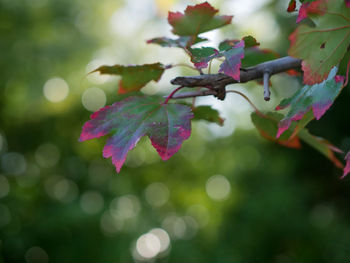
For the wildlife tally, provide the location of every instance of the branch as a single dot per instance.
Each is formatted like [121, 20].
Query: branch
[247, 74]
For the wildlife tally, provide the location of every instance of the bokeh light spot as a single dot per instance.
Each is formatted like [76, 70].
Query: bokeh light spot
[148, 245]
[13, 163]
[93, 99]
[47, 155]
[56, 90]
[36, 255]
[157, 194]
[163, 237]
[218, 187]
[91, 202]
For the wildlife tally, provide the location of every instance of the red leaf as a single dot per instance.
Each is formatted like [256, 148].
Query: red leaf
[233, 60]
[347, 166]
[316, 7]
[347, 2]
[197, 19]
[292, 5]
[167, 125]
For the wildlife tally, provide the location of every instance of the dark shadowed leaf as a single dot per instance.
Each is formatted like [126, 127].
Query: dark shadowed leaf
[197, 19]
[321, 145]
[255, 55]
[318, 97]
[268, 126]
[207, 113]
[323, 46]
[134, 77]
[167, 125]
[232, 64]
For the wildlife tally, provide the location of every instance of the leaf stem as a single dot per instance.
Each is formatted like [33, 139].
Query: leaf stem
[185, 65]
[172, 94]
[249, 101]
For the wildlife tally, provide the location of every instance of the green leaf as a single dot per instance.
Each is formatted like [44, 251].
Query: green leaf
[181, 42]
[134, 77]
[167, 126]
[322, 47]
[197, 19]
[318, 97]
[207, 113]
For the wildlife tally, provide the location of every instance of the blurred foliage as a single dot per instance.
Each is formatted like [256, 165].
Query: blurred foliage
[233, 199]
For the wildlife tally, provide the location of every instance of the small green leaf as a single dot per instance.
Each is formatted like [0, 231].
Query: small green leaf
[207, 113]
[133, 77]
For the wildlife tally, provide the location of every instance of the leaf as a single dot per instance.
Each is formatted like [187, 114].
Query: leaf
[134, 77]
[347, 2]
[291, 6]
[232, 64]
[318, 97]
[322, 47]
[207, 113]
[267, 127]
[347, 166]
[167, 125]
[197, 19]
[315, 7]
[321, 145]
[181, 42]
[201, 56]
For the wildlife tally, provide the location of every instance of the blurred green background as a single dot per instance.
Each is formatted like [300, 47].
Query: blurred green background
[226, 196]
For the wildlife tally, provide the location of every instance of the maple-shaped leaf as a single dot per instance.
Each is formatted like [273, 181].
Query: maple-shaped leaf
[315, 7]
[291, 6]
[323, 46]
[233, 60]
[207, 113]
[167, 126]
[134, 77]
[347, 166]
[197, 19]
[318, 97]
[201, 56]
[267, 126]
[180, 42]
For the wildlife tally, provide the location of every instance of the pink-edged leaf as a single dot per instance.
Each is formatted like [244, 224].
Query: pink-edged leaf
[181, 42]
[291, 6]
[323, 46]
[318, 97]
[167, 126]
[134, 77]
[197, 19]
[232, 64]
[315, 7]
[347, 166]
